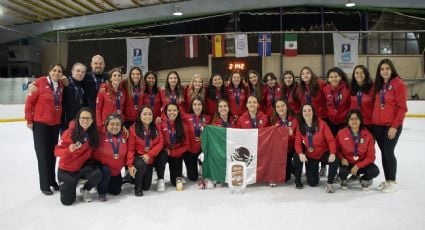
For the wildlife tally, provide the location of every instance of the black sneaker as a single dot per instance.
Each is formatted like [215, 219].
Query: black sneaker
[55, 186]
[299, 185]
[47, 192]
[102, 197]
[127, 179]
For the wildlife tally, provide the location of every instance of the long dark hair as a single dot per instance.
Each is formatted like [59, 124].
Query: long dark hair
[202, 103]
[178, 89]
[367, 85]
[178, 124]
[155, 86]
[211, 88]
[240, 86]
[314, 85]
[292, 88]
[258, 87]
[130, 84]
[138, 125]
[275, 116]
[217, 114]
[341, 74]
[359, 115]
[379, 80]
[303, 125]
[78, 134]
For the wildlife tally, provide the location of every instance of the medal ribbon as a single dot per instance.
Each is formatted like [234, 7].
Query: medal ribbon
[147, 135]
[237, 95]
[307, 95]
[197, 126]
[171, 134]
[57, 94]
[115, 148]
[382, 94]
[272, 95]
[336, 95]
[118, 101]
[136, 94]
[310, 136]
[96, 82]
[173, 97]
[356, 140]
[79, 91]
[253, 121]
[151, 97]
[359, 99]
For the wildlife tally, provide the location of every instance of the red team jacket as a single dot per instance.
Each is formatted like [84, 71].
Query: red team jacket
[337, 102]
[154, 101]
[211, 103]
[395, 105]
[294, 103]
[72, 161]
[106, 103]
[292, 123]
[318, 102]
[266, 102]
[366, 107]
[203, 120]
[218, 122]
[323, 141]
[104, 152]
[166, 100]
[231, 96]
[188, 97]
[137, 145]
[130, 108]
[366, 147]
[244, 121]
[40, 105]
[179, 148]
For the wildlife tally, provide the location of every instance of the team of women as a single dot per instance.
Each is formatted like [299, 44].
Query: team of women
[135, 124]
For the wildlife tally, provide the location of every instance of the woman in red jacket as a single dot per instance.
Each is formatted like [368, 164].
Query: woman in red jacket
[152, 97]
[236, 94]
[110, 99]
[75, 151]
[388, 114]
[43, 110]
[338, 99]
[145, 151]
[283, 117]
[176, 140]
[195, 120]
[223, 117]
[291, 91]
[271, 92]
[314, 143]
[255, 86]
[195, 89]
[311, 92]
[133, 87]
[252, 118]
[356, 151]
[173, 92]
[112, 155]
[362, 95]
[215, 91]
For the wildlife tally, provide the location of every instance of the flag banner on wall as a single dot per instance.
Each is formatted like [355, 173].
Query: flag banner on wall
[291, 45]
[241, 45]
[346, 50]
[191, 46]
[137, 54]
[263, 150]
[264, 45]
[217, 46]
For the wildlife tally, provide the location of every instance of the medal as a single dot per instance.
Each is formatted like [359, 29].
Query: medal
[118, 111]
[361, 141]
[136, 107]
[116, 156]
[261, 122]
[57, 107]
[197, 139]
[382, 106]
[123, 141]
[356, 158]
[78, 144]
[311, 149]
[147, 149]
[289, 123]
[390, 87]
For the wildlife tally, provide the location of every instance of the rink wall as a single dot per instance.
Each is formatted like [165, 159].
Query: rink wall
[11, 113]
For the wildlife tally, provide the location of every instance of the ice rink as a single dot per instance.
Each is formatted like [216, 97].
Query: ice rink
[23, 206]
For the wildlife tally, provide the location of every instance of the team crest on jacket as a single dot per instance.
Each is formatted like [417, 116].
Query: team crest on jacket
[361, 141]
[242, 154]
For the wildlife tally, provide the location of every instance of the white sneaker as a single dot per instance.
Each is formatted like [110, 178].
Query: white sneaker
[86, 195]
[272, 184]
[365, 184]
[330, 188]
[160, 185]
[382, 186]
[391, 187]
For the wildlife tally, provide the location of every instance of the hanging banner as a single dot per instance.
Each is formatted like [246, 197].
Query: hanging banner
[346, 50]
[137, 54]
[241, 45]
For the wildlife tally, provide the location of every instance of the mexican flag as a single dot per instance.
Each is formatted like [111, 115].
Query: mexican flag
[263, 150]
[291, 47]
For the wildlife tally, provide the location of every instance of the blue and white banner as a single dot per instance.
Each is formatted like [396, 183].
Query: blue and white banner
[137, 54]
[241, 45]
[346, 50]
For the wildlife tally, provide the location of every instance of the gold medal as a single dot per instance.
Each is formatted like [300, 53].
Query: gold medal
[119, 111]
[116, 156]
[136, 107]
[382, 106]
[311, 149]
[57, 107]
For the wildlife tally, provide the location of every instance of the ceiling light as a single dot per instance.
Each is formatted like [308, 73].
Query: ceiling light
[350, 3]
[177, 11]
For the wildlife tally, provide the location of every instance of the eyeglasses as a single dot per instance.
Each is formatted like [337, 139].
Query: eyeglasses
[86, 118]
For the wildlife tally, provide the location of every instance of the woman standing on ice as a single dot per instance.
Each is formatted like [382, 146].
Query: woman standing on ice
[43, 110]
[388, 114]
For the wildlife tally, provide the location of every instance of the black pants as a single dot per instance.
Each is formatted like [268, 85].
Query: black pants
[176, 168]
[369, 172]
[312, 169]
[45, 139]
[109, 184]
[289, 165]
[68, 181]
[387, 146]
[335, 127]
[128, 123]
[371, 128]
[143, 178]
[191, 162]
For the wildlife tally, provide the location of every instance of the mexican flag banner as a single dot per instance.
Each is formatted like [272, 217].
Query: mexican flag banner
[291, 46]
[263, 150]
